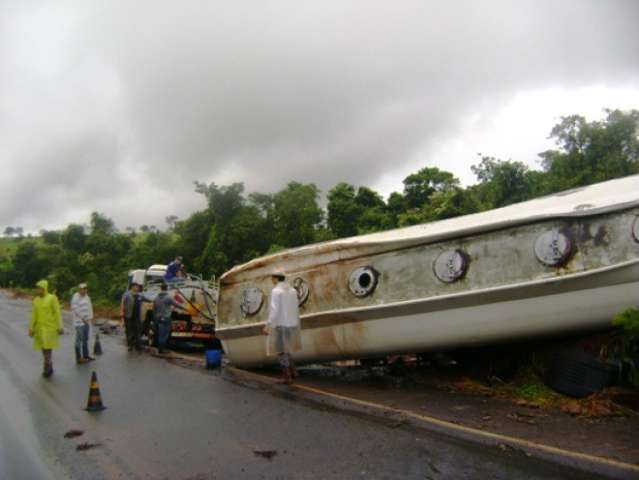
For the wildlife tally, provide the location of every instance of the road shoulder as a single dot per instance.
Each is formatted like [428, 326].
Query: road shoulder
[402, 418]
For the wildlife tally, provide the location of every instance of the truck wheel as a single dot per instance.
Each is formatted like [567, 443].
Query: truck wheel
[146, 326]
[152, 335]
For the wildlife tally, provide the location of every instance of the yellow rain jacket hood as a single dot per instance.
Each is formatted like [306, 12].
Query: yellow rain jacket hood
[46, 319]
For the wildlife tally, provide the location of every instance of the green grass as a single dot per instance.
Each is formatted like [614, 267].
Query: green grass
[7, 246]
[535, 391]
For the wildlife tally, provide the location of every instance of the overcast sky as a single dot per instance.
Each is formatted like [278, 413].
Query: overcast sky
[118, 106]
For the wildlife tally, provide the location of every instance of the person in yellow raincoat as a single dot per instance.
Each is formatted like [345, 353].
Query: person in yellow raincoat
[46, 324]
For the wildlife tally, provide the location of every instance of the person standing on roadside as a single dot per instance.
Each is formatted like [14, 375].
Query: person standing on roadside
[82, 311]
[130, 314]
[46, 325]
[162, 316]
[283, 326]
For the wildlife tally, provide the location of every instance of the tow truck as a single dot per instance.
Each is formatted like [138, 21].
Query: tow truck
[198, 297]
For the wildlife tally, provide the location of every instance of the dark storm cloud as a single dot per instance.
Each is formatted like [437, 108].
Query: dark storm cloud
[134, 100]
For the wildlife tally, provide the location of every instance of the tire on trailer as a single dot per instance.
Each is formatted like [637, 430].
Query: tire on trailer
[578, 374]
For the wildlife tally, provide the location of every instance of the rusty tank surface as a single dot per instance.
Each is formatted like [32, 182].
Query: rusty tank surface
[562, 263]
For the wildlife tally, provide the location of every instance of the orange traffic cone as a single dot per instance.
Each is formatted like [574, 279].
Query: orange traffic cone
[94, 403]
[97, 346]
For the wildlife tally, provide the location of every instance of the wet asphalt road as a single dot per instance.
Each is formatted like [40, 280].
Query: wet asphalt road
[169, 422]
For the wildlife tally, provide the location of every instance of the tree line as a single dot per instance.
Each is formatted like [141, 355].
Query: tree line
[237, 226]
[11, 231]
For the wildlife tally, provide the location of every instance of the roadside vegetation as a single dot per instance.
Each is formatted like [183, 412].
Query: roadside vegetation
[236, 227]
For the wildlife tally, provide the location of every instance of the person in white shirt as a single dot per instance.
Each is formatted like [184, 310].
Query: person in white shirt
[82, 311]
[283, 325]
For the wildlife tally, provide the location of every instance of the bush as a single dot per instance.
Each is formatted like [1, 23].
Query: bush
[625, 347]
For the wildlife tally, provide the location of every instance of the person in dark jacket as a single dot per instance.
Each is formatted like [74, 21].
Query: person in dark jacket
[162, 316]
[175, 270]
[131, 313]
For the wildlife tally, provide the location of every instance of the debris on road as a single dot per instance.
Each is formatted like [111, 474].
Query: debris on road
[522, 418]
[109, 327]
[527, 404]
[596, 406]
[154, 352]
[511, 450]
[268, 454]
[86, 446]
[504, 447]
[398, 424]
[73, 433]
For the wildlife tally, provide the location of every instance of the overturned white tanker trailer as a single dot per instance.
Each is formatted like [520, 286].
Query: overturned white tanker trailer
[561, 263]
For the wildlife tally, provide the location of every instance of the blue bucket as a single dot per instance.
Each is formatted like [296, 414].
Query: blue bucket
[213, 358]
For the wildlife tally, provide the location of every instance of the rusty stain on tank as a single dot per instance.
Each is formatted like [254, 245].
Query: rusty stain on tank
[324, 339]
[583, 233]
[601, 237]
[353, 334]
